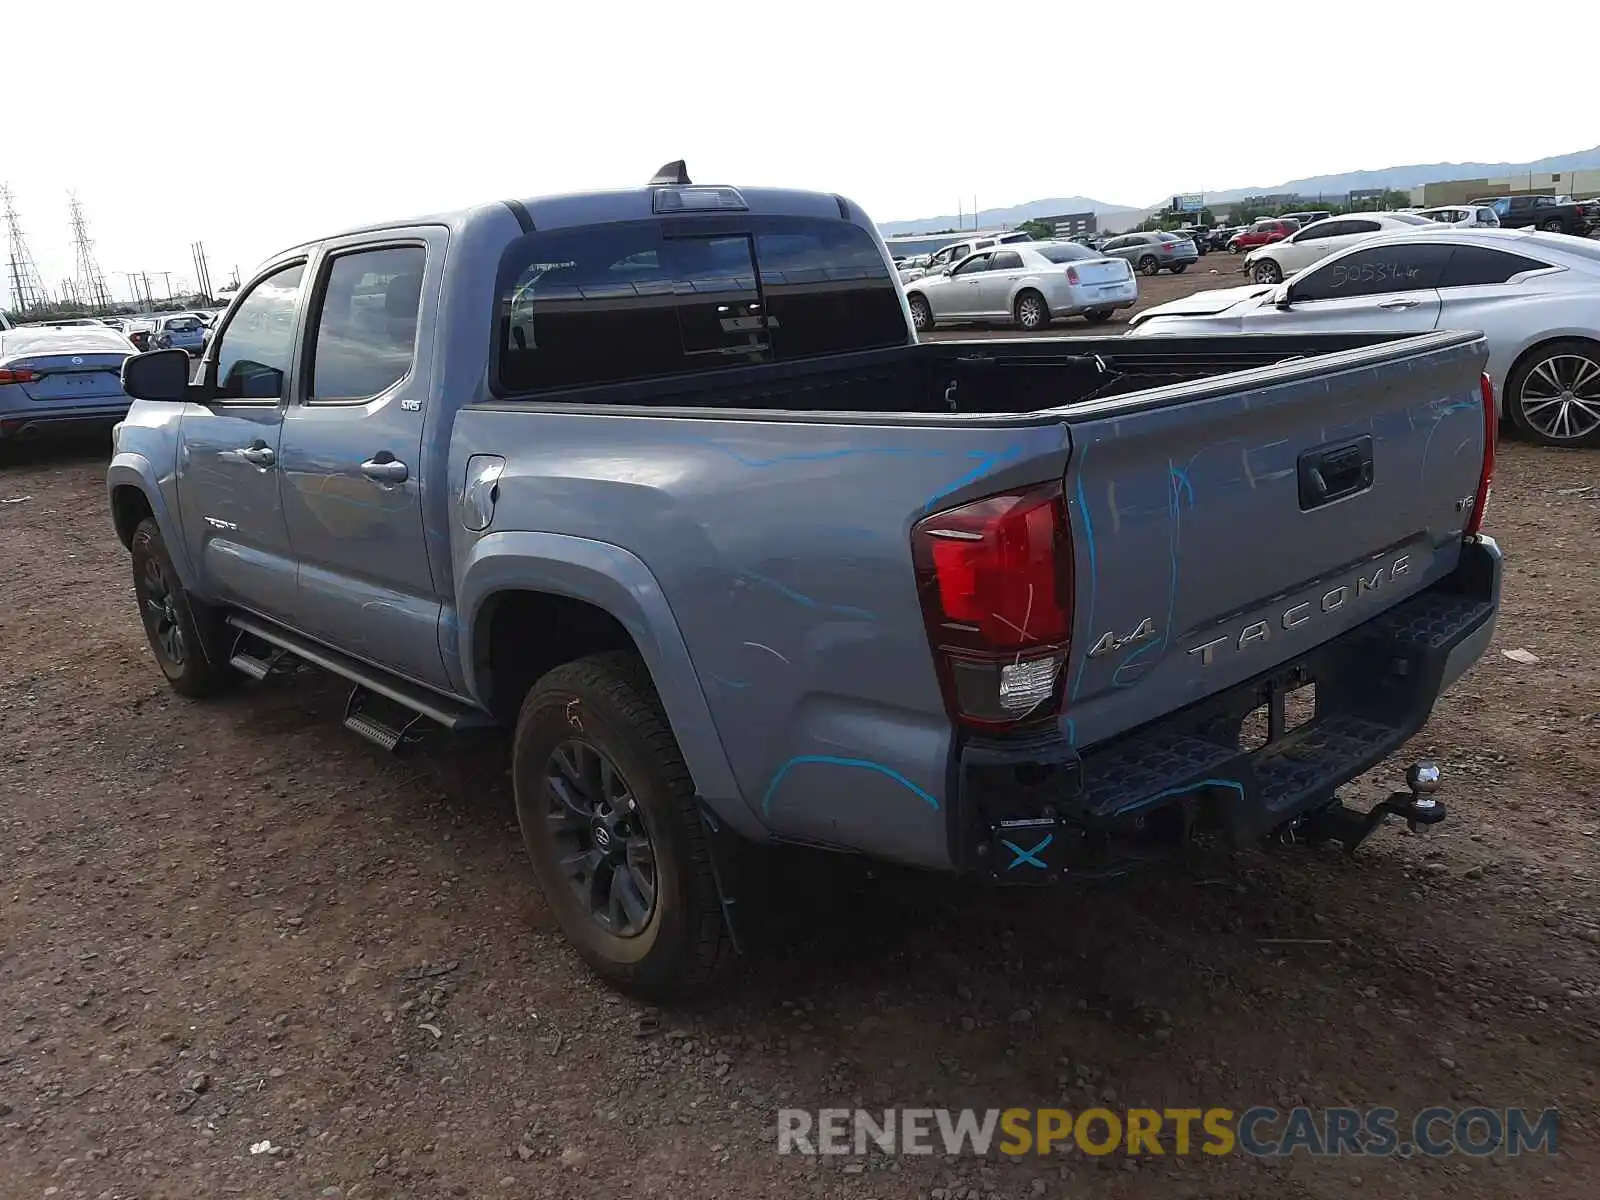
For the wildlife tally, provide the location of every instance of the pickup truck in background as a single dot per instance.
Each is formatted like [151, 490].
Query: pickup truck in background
[1543, 212]
[662, 481]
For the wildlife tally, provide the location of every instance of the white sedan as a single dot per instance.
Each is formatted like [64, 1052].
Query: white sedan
[1314, 242]
[1535, 296]
[1026, 284]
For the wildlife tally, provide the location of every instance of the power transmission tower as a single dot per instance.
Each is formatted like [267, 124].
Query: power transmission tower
[27, 289]
[91, 283]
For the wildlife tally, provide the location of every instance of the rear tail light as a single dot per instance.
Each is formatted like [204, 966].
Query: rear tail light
[1072, 274]
[1166, 247]
[18, 375]
[1491, 435]
[995, 577]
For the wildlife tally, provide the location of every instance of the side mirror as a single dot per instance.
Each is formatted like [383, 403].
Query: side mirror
[1281, 297]
[157, 375]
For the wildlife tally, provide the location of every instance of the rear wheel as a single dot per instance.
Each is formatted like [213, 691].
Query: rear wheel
[1031, 311]
[1148, 265]
[921, 314]
[1551, 226]
[1266, 271]
[186, 636]
[1553, 395]
[611, 824]
[1096, 316]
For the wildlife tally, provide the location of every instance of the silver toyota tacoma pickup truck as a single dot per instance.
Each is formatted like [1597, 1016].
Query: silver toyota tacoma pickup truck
[662, 481]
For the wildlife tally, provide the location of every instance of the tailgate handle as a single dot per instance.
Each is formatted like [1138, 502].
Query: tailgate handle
[1331, 473]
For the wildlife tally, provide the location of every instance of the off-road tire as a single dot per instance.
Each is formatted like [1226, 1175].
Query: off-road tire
[608, 701]
[195, 661]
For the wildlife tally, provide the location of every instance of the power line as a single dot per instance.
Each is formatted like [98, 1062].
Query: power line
[27, 289]
[91, 284]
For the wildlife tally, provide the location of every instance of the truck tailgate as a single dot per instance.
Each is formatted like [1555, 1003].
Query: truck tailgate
[1224, 528]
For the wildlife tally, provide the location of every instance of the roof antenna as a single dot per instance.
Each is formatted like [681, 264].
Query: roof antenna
[672, 172]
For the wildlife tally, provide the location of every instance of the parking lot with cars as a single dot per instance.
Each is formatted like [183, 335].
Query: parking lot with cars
[247, 953]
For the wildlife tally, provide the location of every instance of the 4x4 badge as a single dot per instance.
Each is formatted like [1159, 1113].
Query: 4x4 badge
[1109, 641]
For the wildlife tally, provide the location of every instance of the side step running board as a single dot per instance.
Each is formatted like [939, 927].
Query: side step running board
[370, 683]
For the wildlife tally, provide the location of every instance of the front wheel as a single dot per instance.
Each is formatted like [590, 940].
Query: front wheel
[611, 824]
[1266, 271]
[921, 314]
[1031, 311]
[186, 636]
[1180, 268]
[1148, 265]
[1553, 396]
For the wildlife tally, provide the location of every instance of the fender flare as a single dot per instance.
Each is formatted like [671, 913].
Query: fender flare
[618, 582]
[131, 469]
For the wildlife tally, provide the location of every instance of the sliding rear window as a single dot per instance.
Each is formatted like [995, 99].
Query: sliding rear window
[649, 299]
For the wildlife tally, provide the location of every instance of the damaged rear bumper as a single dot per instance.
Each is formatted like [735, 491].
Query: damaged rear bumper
[1031, 811]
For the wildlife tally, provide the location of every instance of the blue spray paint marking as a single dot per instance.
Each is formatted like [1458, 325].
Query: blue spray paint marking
[1179, 488]
[990, 460]
[1234, 784]
[843, 610]
[727, 683]
[1072, 732]
[1094, 567]
[1027, 856]
[862, 764]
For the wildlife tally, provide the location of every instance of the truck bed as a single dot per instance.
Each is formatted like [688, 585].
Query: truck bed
[774, 517]
[1013, 376]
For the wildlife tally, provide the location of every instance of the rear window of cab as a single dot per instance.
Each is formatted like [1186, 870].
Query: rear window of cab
[647, 299]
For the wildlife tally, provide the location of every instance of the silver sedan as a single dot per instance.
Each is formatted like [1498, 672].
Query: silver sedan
[1027, 284]
[1535, 296]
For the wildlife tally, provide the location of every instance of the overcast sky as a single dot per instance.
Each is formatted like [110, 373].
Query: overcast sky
[249, 126]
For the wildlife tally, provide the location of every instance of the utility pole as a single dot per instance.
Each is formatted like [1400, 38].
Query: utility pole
[27, 289]
[202, 272]
[166, 280]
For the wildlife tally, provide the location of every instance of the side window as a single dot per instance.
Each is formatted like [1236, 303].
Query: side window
[1351, 227]
[254, 351]
[366, 335]
[1374, 272]
[1472, 265]
[972, 266]
[1501, 207]
[1315, 233]
[1007, 260]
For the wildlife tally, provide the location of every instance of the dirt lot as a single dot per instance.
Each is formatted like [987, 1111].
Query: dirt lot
[235, 923]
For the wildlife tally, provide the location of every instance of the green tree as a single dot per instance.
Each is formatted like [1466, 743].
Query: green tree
[1040, 231]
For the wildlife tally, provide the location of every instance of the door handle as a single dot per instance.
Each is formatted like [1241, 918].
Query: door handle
[258, 456]
[1399, 304]
[385, 469]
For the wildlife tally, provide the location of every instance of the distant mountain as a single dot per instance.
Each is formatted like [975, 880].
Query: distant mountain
[1416, 174]
[993, 218]
[1123, 216]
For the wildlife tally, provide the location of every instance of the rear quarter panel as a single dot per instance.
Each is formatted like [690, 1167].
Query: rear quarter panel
[781, 549]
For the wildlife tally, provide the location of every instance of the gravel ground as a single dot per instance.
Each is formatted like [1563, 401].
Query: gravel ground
[234, 923]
